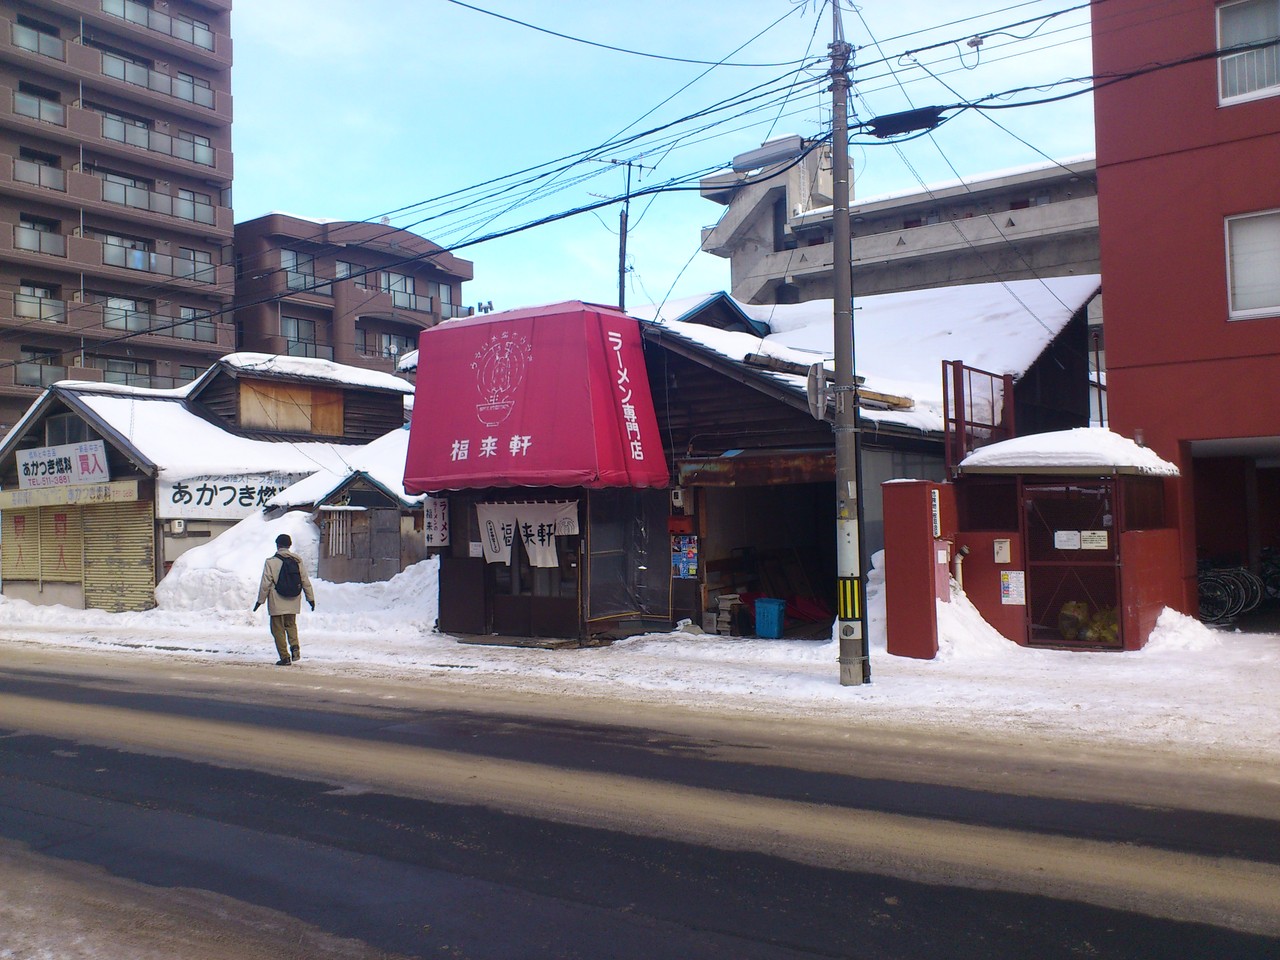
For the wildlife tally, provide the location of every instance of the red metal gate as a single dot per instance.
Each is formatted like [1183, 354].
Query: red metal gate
[1073, 571]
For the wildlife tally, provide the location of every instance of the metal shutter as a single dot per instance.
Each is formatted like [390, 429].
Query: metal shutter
[61, 545]
[120, 556]
[20, 544]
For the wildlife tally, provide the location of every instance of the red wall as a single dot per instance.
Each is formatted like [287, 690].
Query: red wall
[913, 580]
[982, 580]
[1150, 579]
[1172, 165]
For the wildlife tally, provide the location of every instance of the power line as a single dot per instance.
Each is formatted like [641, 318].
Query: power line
[676, 184]
[607, 46]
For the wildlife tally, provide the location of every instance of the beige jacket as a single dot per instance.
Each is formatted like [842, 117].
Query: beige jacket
[277, 604]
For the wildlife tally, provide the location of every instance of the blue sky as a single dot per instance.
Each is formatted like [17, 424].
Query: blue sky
[351, 111]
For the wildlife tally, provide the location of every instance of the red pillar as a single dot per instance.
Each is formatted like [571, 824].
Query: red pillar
[917, 514]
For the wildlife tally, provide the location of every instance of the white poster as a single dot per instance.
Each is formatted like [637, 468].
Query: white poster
[1093, 540]
[1013, 587]
[1066, 539]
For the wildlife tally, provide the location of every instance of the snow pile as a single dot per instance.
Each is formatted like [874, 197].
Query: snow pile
[224, 573]
[1177, 631]
[963, 634]
[1093, 447]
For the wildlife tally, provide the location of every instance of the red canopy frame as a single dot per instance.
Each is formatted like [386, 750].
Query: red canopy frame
[547, 396]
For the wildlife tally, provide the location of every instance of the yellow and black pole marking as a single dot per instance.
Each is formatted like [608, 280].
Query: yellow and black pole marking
[849, 600]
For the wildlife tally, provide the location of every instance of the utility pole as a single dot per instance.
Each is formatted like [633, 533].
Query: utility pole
[855, 660]
[622, 244]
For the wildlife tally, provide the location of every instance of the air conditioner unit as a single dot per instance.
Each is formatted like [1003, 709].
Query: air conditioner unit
[177, 526]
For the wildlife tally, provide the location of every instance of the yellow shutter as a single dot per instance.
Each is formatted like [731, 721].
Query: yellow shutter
[61, 544]
[20, 544]
[120, 556]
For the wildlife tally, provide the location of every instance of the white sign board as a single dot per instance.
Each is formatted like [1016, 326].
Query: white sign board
[219, 498]
[1013, 587]
[435, 521]
[63, 466]
[1093, 540]
[1066, 539]
[118, 491]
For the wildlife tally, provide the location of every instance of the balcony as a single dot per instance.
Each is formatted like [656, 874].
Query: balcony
[134, 321]
[33, 41]
[28, 307]
[147, 139]
[409, 301]
[143, 16]
[34, 374]
[141, 198]
[38, 108]
[451, 311]
[39, 175]
[163, 264]
[305, 348]
[139, 76]
[39, 241]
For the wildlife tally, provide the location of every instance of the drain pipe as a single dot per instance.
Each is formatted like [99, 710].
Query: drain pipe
[957, 566]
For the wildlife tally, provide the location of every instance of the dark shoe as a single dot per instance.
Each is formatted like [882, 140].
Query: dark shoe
[296, 654]
[284, 663]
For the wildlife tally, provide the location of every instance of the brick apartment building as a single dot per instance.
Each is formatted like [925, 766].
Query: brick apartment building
[115, 177]
[355, 293]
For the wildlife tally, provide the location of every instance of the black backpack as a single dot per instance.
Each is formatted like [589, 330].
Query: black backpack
[289, 580]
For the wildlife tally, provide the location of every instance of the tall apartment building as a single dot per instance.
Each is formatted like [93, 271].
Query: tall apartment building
[115, 182]
[356, 293]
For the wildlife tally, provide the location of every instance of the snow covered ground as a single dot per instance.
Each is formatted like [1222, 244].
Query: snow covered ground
[1193, 689]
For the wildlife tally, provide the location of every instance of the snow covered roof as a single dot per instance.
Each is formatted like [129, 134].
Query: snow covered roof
[381, 462]
[1087, 450]
[306, 368]
[183, 445]
[901, 338]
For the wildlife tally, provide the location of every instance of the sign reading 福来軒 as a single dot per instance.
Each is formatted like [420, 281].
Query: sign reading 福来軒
[218, 498]
[62, 466]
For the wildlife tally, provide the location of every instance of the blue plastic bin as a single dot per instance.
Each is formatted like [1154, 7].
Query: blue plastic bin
[769, 617]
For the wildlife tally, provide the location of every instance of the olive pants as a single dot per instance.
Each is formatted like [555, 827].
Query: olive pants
[284, 631]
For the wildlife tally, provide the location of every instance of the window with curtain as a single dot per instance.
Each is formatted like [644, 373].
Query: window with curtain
[1253, 265]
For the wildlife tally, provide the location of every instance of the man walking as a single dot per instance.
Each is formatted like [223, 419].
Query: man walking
[284, 582]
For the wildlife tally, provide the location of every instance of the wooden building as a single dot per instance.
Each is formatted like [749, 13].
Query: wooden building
[103, 486]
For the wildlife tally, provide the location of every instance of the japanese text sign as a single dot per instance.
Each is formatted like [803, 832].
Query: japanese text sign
[67, 465]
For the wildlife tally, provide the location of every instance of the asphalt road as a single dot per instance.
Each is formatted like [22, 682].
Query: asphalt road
[172, 808]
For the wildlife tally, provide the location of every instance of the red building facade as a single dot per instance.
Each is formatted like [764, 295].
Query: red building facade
[1189, 212]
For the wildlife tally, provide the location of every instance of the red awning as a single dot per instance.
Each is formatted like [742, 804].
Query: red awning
[547, 396]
